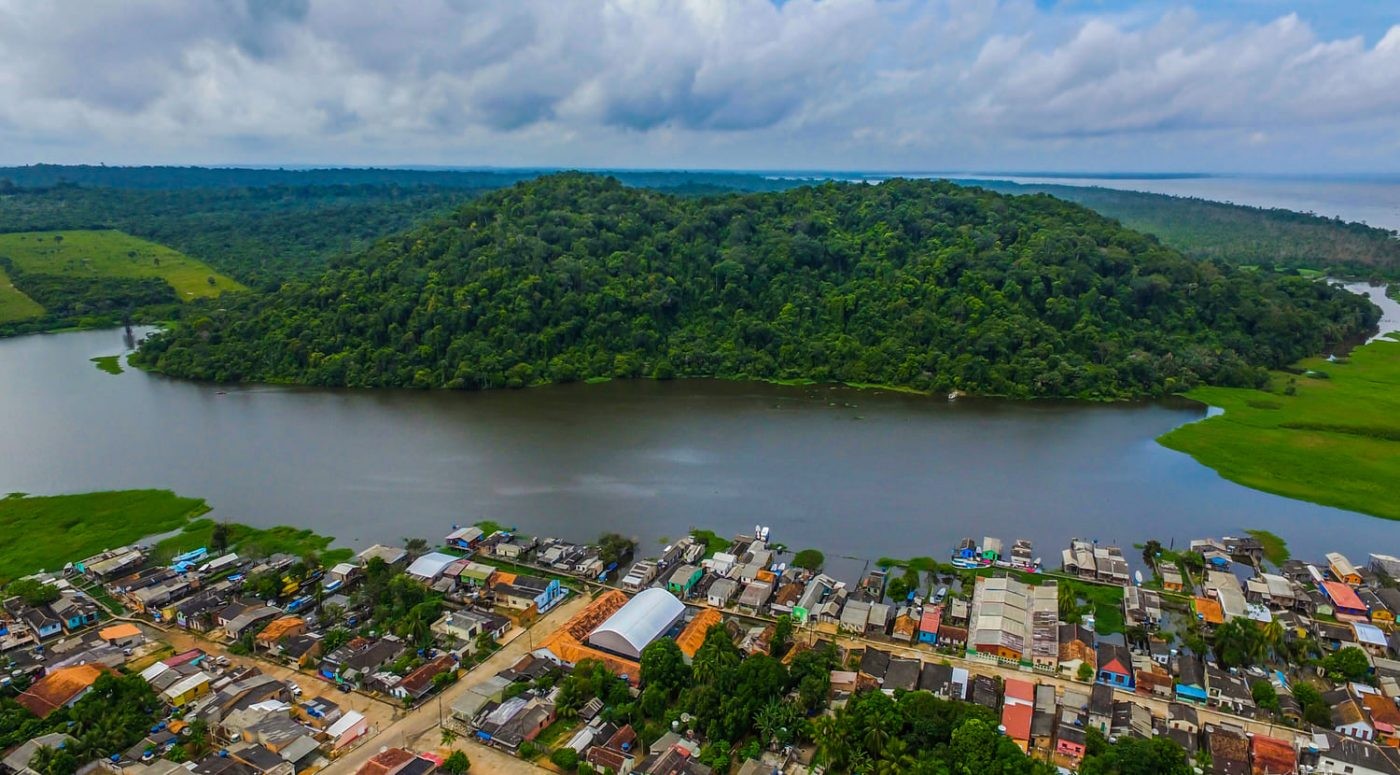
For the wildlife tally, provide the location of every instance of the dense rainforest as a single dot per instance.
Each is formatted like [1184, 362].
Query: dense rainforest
[1239, 234]
[920, 284]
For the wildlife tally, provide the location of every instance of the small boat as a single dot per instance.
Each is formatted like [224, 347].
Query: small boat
[1137, 576]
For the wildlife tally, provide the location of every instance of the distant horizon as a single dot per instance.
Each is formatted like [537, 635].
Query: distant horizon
[772, 172]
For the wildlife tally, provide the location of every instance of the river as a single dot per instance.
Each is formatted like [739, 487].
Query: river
[853, 472]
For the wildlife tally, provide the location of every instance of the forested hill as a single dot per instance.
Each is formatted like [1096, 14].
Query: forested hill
[912, 283]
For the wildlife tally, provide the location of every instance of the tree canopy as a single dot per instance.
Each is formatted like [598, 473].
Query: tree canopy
[914, 283]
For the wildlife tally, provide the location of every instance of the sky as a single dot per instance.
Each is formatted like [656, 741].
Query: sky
[1274, 86]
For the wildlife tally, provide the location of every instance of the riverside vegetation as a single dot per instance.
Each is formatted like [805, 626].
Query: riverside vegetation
[1326, 432]
[919, 284]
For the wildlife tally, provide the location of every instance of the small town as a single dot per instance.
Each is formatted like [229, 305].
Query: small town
[501, 652]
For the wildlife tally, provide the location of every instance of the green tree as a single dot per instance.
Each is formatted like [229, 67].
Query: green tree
[1131, 756]
[33, 592]
[782, 635]
[565, 759]
[811, 559]
[1085, 672]
[663, 666]
[457, 763]
[1265, 695]
[1347, 664]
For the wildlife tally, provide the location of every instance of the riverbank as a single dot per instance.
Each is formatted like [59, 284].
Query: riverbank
[1328, 434]
[44, 532]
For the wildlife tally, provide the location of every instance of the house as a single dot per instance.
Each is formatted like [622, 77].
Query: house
[360, 656]
[508, 724]
[952, 637]
[41, 622]
[1142, 607]
[1043, 721]
[346, 729]
[1340, 754]
[874, 663]
[683, 580]
[417, 683]
[123, 635]
[1346, 605]
[1272, 756]
[389, 555]
[1347, 716]
[18, 760]
[1171, 578]
[1182, 716]
[1000, 624]
[929, 620]
[1229, 749]
[1229, 691]
[1070, 742]
[390, 761]
[465, 538]
[755, 595]
[1371, 639]
[429, 567]
[75, 610]
[642, 573]
[1100, 708]
[250, 621]
[1017, 708]
[1130, 718]
[466, 625]
[616, 754]
[1115, 666]
[521, 592]
[1384, 716]
[721, 592]
[983, 691]
[188, 688]
[59, 689]
[279, 628]
[1342, 570]
[1076, 647]
[902, 674]
[936, 679]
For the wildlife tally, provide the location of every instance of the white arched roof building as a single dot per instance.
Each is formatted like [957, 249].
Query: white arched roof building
[642, 620]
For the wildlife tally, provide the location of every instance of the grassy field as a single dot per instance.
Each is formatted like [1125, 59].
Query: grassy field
[1330, 435]
[1275, 548]
[14, 305]
[112, 364]
[112, 254]
[253, 541]
[44, 533]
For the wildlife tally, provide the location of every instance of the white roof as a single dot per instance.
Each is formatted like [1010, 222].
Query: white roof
[430, 565]
[642, 620]
[1369, 634]
[150, 673]
[346, 723]
[465, 534]
[344, 569]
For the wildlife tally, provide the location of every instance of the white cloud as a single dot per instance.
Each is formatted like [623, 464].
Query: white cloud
[803, 83]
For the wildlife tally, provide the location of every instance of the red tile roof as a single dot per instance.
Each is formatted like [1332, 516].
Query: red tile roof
[1343, 596]
[1273, 756]
[1017, 720]
[59, 688]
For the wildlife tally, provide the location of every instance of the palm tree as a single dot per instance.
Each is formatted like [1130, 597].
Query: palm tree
[1275, 636]
[1068, 600]
[895, 759]
[832, 750]
[875, 739]
[860, 763]
[43, 759]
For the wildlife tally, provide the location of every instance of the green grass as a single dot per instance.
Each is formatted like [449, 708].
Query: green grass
[44, 533]
[714, 542]
[112, 364]
[112, 254]
[1335, 441]
[1275, 548]
[14, 305]
[253, 541]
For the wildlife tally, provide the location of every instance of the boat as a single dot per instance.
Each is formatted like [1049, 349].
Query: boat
[1137, 576]
[966, 563]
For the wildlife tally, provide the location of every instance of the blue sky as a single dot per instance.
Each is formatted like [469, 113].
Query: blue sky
[1281, 86]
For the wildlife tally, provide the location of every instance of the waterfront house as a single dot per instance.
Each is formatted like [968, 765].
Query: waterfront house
[1171, 578]
[642, 573]
[991, 549]
[1078, 560]
[1142, 607]
[1342, 570]
[430, 567]
[1380, 613]
[1115, 666]
[464, 538]
[1346, 605]
[390, 555]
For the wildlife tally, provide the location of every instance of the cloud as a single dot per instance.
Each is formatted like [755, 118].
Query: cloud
[723, 83]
